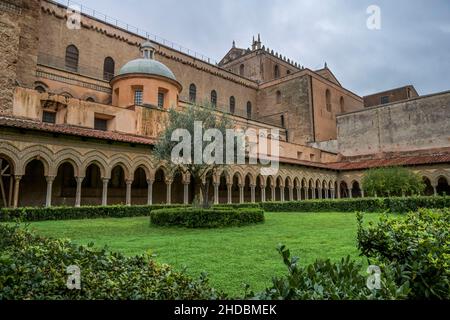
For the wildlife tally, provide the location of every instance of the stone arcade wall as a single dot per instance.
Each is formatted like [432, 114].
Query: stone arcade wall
[421, 123]
[18, 49]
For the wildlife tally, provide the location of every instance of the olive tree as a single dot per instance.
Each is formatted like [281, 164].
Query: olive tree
[183, 130]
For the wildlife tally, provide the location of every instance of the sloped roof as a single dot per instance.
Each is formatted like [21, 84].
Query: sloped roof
[327, 74]
[21, 123]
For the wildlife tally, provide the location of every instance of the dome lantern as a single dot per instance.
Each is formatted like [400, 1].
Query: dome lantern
[148, 50]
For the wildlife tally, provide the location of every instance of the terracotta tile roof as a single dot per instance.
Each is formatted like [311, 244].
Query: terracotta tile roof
[21, 123]
[394, 160]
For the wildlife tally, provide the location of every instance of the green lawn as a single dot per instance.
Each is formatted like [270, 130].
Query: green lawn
[230, 256]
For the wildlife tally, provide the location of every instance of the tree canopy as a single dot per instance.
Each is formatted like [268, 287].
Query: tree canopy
[394, 181]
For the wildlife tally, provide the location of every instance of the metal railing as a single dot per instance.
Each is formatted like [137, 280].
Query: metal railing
[138, 31]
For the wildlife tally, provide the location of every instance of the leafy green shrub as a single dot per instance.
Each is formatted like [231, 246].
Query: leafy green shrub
[325, 280]
[34, 268]
[206, 218]
[395, 205]
[419, 244]
[395, 181]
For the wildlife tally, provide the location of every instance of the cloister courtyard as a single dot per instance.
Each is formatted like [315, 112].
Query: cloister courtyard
[230, 256]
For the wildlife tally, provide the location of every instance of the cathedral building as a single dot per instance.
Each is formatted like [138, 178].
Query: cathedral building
[81, 108]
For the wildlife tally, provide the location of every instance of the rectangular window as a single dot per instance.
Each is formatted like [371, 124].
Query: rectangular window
[49, 117]
[138, 97]
[101, 124]
[161, 97]
[385, 100]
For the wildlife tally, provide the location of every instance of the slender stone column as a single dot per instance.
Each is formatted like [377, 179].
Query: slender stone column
[241, 194]
[350, 195]
[319, 191]
[16, 190]
[78, 193]
[128, 193]
[274, 198]
[105, 192]
[48, 199]
[186, 192]
[333, 194]
[216, 193]
[363, 195]
[230, 193]
[169, 192]
[150, 191]
[253, 193]
[435, 191]
[282, 189]
[291, 194]
[263, 194]
[338, 191]
[299, 194]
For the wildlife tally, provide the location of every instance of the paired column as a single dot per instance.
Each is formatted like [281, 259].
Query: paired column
[241, 194]
[128, 192]
[150, 191]
[274, 197]
[16, 190]
[299, 194]
[105, 192]
[350, 195]
[169, 192]
[216, 193]
[48, 199]
[78, 192]
[253, 193]
[291, 193]
[319, 191]
[229, 193]
[282, 189]
[186, 192]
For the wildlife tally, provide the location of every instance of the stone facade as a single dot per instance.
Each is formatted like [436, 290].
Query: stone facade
[53, 152]
[421, 123]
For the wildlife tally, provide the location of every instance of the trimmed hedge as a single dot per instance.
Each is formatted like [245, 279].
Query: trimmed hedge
[94, 212]
[35, 268]
[394, 205]
[72, 213]
[206, 218]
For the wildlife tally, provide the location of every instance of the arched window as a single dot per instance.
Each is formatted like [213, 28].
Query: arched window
[249, 110]
[72, 55]
[192, 93]
[328, 100]
[283, 123]
[241, 70]
[277, 72]
[108, 68]
[232, 105]
[342, 104]
[278, 94]
[214, 98]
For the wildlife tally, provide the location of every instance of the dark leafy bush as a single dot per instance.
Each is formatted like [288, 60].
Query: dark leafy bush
[395, 205]
[206, 218]
[325, 280]
[34, 268]
[419, 244]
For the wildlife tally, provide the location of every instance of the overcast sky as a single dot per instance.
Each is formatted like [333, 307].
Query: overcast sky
[412, 47]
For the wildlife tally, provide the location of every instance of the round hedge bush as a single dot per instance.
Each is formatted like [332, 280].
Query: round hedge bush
[217, 217]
